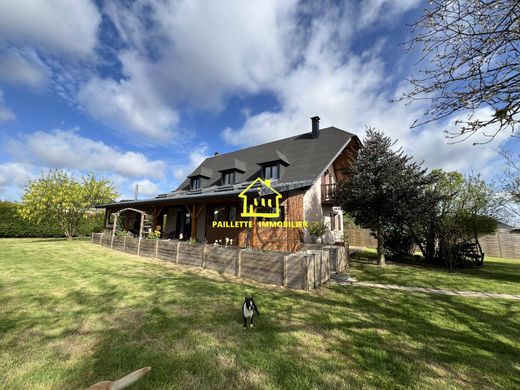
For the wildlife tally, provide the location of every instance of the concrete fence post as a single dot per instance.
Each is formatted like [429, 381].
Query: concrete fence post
[101, 238]
[156, 248]
[177, 253]
[238, 263]
[139, 246]
[285, 260]
[204, 251]
[124, 244]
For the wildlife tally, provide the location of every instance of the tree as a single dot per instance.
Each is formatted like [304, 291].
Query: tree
[455, 210]
[510, 187]
[60, 199]
[381, 188]
[472, 52]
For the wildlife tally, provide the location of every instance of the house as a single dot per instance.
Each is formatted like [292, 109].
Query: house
[232, 195]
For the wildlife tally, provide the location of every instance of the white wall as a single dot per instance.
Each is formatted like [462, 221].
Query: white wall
[314, 210]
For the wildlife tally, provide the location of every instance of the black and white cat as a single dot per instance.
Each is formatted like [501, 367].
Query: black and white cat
[248, 309]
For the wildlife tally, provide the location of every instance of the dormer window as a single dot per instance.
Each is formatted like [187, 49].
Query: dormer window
[195, 183]
[228, 178]
[272, 172]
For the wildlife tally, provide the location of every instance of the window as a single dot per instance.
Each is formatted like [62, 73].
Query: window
[195, 183]
[228, 178]
[218, 214]
[272, 172]
[232, 217]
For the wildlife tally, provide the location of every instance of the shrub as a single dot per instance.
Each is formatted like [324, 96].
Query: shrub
[12, 224]
[317, 229]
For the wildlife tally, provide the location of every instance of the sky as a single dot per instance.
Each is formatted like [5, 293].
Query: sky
[140, 92]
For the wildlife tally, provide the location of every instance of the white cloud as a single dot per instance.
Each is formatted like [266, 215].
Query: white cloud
[146, 188]
[67, 149]
[129, 106]
[5, 112]
[23, 68]
[187, 53]
[59, 26]
[15, 174]
[196, 156]
[351, 90]
[13, 179]
[202, 51]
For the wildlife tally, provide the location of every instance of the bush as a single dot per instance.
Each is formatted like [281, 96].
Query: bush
[398, 243]
[92, 222]
[317, 229]
[13, 225]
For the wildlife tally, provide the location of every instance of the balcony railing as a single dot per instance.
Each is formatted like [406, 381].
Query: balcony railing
[327, 193]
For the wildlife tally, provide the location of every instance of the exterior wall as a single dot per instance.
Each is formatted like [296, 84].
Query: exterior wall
[312, 206]
[171, 220]
[314, 210]
[283, 239]
[201, 227]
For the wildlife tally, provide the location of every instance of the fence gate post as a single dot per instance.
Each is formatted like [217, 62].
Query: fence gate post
[203, 263]
[305, 272]
[124, 244]
[156, 248]
[177, 253]
[238, 263]
[285, 260]
[101, 238]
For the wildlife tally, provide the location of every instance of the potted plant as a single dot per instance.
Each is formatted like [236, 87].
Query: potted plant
[317, 230]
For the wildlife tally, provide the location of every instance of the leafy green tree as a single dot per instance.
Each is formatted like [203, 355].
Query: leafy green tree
[60, 199]
[382, 188]
[453, 210]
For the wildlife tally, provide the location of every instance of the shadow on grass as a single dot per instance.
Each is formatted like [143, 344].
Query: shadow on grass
[188, 328]
[490, 271]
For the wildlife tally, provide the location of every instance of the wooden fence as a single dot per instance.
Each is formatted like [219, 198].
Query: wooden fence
[501, 244]
[303, 270]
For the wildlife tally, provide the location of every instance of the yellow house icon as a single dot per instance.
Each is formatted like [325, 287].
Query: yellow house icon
[251, 203]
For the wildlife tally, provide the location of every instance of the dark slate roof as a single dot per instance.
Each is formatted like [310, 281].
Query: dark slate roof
[307, 157]
[236, 165]
[274, 156]
[203, 171]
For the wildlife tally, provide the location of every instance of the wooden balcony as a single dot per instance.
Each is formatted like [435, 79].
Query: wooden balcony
[327, 193]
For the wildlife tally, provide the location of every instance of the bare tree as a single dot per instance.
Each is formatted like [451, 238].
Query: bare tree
[470, 50]
[510, 187]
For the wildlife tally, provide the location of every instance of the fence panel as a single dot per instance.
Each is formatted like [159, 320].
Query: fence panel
[190, 254]
[167, 250]
[221, 259]
[262, 266]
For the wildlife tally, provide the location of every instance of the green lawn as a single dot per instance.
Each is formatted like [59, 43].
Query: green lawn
[72, 313]
[497, 275]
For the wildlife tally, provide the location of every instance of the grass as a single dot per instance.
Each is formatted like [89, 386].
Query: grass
[72, 314]
[497, 275]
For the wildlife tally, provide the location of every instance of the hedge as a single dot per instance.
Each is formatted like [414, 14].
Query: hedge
[12, 225]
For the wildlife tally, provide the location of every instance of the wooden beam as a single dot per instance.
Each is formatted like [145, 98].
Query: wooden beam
[194, 222]
[200, 210]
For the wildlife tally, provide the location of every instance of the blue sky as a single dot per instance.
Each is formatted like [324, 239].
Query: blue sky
[142, 91]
